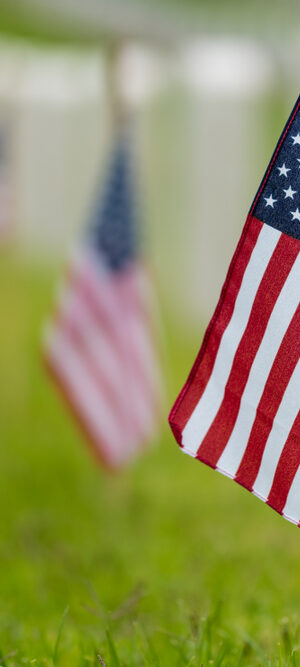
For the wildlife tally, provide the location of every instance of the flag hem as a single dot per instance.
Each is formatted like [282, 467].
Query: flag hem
[185, 450]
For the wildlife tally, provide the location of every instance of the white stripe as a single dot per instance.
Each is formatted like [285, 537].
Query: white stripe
[285, 417]
[209, 404]
[90, 402]
[292, 505]
[279, 321]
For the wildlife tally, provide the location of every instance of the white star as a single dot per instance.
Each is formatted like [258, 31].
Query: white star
[270, 201]
[296, 139]
[289, 192]
[298, 159]
[283, 170]
[296, 214]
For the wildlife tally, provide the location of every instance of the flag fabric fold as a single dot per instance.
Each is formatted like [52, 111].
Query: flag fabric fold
[99, 346]
[239, 409]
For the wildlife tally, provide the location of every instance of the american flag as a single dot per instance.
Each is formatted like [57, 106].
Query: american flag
[239, 409]
[99, 345]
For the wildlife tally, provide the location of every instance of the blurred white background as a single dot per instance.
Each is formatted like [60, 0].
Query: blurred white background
[208, 113]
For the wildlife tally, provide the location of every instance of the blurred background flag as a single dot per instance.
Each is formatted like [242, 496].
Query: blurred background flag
[99, 346]
[239, 410]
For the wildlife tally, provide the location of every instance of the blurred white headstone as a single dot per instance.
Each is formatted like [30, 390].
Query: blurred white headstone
[8, 187]
[62, 129]
[59, 124]
[227, 81]
[140, 75]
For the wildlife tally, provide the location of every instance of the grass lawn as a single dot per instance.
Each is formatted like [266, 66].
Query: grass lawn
[166, 564]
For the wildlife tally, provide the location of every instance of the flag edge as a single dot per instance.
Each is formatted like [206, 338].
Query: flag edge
[232, 477]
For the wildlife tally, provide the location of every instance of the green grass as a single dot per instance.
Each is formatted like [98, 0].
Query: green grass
[165, 564]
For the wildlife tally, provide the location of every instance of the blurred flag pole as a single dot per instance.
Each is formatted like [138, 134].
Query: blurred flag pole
[125, 62]
[118, 109]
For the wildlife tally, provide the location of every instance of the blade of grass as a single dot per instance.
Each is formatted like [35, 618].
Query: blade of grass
[250, 642]
[56, 647]
[112, 650]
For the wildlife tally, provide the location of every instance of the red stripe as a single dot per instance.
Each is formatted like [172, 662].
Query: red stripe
[203, 367]
[288, 465]
[267, 294]
[281, 371]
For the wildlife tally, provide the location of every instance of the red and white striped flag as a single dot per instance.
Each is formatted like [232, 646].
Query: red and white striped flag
[99, 346]
[239, 409]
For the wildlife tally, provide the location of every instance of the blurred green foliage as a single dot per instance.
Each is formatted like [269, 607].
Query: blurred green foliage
[166, 564]
[271, 20]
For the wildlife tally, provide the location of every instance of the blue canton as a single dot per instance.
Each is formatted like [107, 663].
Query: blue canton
[112, 233]
[279, 202]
